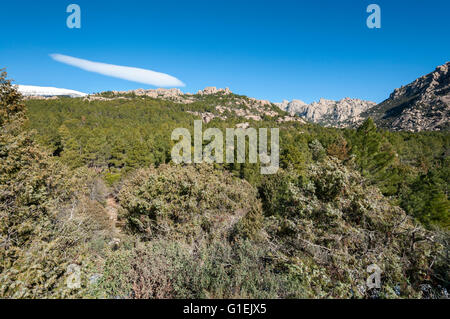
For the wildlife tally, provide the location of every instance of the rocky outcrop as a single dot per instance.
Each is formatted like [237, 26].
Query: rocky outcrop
[342, 113]
[175, 95]
[293, 107]
[283, 119]
[422, 105]
[213, 90]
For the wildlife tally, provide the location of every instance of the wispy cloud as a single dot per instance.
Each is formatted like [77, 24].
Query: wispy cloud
[121, 72]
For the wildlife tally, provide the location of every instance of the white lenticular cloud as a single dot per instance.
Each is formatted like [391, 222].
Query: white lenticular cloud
[122, 72]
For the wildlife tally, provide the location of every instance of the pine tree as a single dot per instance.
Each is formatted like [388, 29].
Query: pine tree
[11, 106]
[374, 153]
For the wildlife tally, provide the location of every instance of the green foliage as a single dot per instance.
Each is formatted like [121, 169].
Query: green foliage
[112, 178]
[212, 231]
[126, 135]
[188, 202]
[427, 201]
[317, 150]
[123, 134]
[11, 106]
[171, 269]
[411, 168]
[333, 222]
[46, 222]
[372, 150]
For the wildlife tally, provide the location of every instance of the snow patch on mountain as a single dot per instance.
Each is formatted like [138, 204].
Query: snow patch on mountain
[31, 90]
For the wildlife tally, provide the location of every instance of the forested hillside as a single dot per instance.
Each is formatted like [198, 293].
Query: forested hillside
[91, 183]
[119, 135]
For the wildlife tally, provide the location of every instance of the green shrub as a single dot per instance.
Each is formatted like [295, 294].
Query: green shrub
[333, 222]
[47, 218]
[193, 203]
[171, 269]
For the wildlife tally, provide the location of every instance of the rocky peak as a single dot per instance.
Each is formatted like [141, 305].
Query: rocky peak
[340, 113]
[431, 84]
[423, 104]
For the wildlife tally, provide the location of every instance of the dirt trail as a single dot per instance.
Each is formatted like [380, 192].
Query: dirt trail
[111, 210]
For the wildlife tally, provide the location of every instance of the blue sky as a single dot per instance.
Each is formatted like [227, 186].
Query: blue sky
[265, 49]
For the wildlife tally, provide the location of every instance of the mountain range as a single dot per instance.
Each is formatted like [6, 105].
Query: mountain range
[422, 105]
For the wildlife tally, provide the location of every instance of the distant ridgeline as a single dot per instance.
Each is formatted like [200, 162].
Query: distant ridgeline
[422, 105]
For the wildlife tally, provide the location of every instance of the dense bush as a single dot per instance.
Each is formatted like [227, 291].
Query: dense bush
[333, 221]
[46, 221]
[193, 203]
[171, 269]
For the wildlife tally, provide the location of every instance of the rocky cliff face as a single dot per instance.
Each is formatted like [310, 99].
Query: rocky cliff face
[342, 113]
[423, 105]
